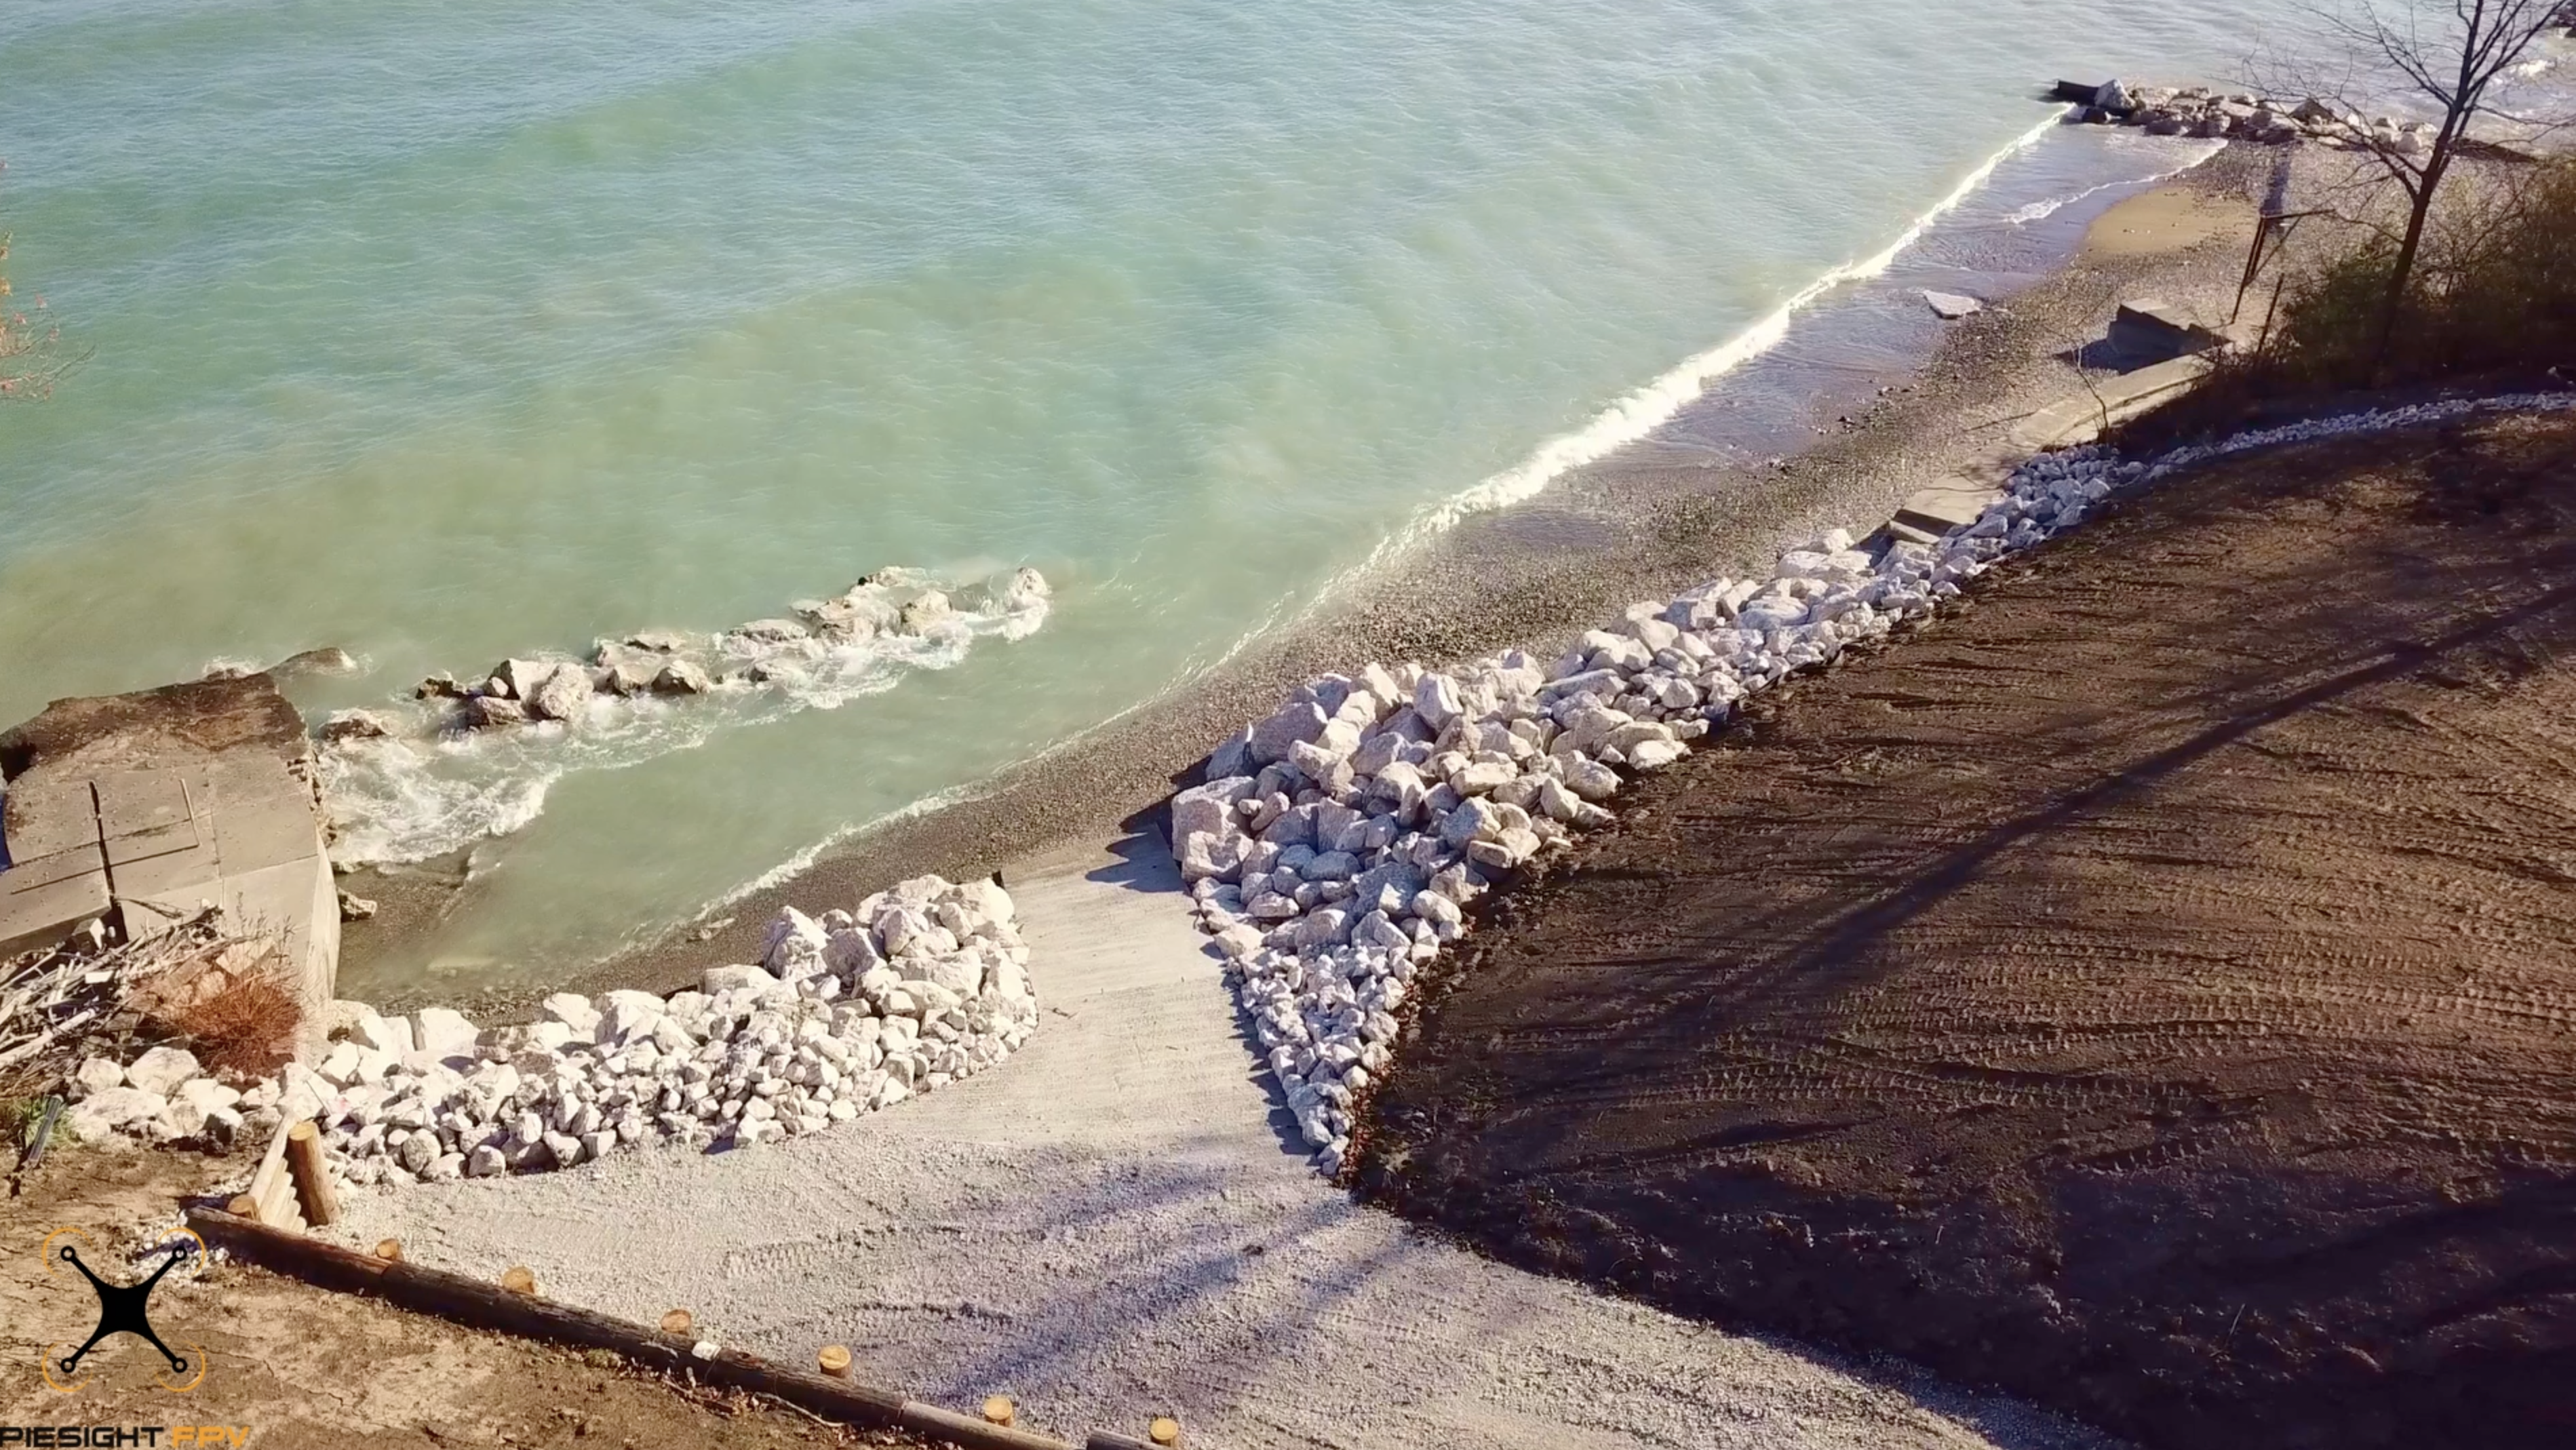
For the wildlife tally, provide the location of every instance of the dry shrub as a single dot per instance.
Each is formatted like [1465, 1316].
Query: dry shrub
[2494, 294]
[235, 1008]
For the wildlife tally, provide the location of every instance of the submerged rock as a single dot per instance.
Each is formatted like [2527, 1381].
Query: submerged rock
[329, 660]
[682, 677]
[347, 725]
[492, 712]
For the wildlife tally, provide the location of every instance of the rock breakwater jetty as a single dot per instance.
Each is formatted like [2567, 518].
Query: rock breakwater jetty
[465, 758]
[2206, 114]
[891, 605]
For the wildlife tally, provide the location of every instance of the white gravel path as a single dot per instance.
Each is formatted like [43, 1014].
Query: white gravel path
[1120, 1221]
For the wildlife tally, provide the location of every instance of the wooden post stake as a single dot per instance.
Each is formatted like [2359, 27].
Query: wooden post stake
[1164, 1431]
[519, 1279]
[998, 1409]
[676, 1321]
[835, 1360]
[312, 1177]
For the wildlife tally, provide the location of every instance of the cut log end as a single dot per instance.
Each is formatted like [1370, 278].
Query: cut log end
[835, 1361]
[1164, 1431]
[311, 1175]
[999, 1410]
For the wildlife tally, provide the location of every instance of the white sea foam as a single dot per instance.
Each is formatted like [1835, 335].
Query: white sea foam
[1637, 415]
[429, 788]
[2048, 207]
[1641, 412]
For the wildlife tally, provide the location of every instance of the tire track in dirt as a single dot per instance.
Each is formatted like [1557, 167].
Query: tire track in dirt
[2151, 988]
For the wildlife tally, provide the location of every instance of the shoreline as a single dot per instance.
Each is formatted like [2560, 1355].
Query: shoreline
[1661, 513]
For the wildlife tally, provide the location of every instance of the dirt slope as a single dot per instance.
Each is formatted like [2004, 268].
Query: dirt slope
[2149, 990]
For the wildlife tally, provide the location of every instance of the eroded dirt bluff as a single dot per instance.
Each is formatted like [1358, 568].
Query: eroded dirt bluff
[2148, 989]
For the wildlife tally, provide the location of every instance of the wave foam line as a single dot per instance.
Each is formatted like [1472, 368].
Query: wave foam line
[1650, 407]
[806, 859]
[2042, 210]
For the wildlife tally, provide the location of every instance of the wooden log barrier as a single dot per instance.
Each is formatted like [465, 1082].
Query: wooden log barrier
[304, 1163]
[488, 1305]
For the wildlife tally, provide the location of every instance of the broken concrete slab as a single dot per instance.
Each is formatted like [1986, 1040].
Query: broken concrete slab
[2151, 330]
[1929, 513]
[2081, 417]
[45, 900]
[148, 808]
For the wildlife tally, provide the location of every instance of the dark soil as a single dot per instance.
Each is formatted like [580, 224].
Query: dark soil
[2148, 989]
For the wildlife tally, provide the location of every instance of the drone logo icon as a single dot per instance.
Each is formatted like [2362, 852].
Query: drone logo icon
[123, 1309]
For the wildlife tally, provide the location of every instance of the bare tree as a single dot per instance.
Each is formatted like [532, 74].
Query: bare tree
[2449, 52]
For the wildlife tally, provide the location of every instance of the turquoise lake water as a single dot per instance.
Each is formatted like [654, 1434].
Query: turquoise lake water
[444, 332]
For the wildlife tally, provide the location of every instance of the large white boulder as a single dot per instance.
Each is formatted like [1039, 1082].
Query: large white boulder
[161, 1069]
[97, 1118]
[564, 695]
[1295, 723]
[98, 1074]
[444, 1032]
[716, 980]
[626, 1015]
[574, 1011]
[194, 1102]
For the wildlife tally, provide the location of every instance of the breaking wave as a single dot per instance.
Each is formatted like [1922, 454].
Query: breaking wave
[416, 778]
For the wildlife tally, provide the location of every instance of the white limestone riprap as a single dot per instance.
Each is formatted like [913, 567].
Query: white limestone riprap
[924, 983]
[1333, 845]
